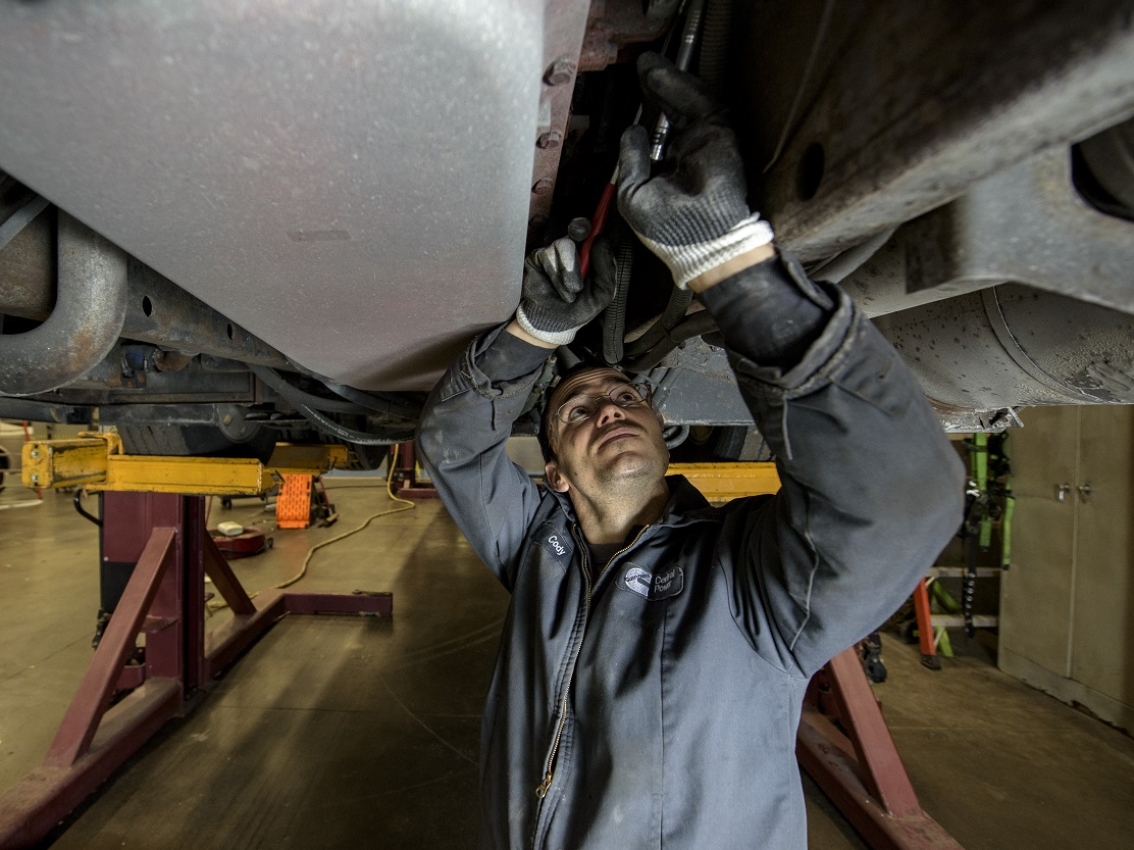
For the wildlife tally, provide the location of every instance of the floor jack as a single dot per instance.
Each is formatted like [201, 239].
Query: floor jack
[125, 696]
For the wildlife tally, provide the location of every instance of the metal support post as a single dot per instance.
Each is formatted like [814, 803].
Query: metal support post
[164, 537]
[405, 476]
[926, 641]
[856, 763]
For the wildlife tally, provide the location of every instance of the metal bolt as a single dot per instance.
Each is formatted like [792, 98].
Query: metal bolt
[559, 72]
[579, 228]
[549, 140]
[227, 419]
[35, 452]
[543, 186]
[35, 479]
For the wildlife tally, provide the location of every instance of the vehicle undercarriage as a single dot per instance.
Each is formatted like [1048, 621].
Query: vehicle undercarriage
[227, 224]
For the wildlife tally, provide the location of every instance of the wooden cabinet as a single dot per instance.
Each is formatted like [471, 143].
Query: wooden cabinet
[1067, 602]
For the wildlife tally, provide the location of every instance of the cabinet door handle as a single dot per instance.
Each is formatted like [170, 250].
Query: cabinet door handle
[1085, 493]
[1061, 491]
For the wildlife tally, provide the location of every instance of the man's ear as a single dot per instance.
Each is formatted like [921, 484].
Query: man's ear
[555, 478]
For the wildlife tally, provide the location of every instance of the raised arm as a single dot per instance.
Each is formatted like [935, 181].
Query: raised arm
[871, 490]
[468, 416]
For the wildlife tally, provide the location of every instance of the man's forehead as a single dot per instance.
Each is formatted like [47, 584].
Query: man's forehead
[594, 380]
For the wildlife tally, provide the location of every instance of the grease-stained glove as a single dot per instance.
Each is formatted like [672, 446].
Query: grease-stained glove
[555, 301]
[693, 214]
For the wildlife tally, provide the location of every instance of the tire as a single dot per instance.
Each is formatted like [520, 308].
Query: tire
[195, 441]
[729, 442]
[369, 457]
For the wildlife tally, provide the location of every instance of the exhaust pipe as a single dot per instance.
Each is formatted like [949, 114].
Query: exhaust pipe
[84, 326]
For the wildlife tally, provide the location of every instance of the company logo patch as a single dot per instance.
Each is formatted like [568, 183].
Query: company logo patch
[667, 582]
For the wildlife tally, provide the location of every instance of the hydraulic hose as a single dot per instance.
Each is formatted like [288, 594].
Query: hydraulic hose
[698, 324]
[716, 32]
[675, 436]
[307, 404]
[90, 310]
[21, 218]
[614, 317]
[360, 438]
[297, 396]
[679, 301]
[379, 404]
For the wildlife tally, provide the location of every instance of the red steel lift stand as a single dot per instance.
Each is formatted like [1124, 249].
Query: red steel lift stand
[165, 536]
[927, 642]
[844, 745]
[405, 475]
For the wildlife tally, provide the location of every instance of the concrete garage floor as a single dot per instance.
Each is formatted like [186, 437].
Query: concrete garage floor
[354, 732]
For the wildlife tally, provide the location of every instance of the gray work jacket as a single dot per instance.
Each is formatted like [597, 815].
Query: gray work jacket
[664, 693]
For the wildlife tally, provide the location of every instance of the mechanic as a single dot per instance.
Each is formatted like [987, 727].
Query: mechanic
[655, 654]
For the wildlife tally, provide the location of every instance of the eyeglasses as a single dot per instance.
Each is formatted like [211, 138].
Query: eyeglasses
[580, 408]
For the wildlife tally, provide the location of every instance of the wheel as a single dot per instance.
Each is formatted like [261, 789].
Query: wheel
[197, 441]
[875, 670]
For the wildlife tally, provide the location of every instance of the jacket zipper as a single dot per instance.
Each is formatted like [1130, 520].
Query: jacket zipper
[549, 772]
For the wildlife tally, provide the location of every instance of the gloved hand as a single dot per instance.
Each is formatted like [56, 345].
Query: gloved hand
[693, 214]
[554, 300]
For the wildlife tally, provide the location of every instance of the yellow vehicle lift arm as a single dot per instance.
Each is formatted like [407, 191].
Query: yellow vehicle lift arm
[96, 462]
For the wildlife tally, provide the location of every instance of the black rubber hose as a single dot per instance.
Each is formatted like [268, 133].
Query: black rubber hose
[77, 501]
[379, 404]
[297, 396]
[675, 436]
[614, 317]
[716, 33]
[21, 218]
[696, 325]
[361, 438]
[679, 301]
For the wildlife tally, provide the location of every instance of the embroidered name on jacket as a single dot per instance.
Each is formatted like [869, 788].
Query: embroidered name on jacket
[557, 542]
[666, 582]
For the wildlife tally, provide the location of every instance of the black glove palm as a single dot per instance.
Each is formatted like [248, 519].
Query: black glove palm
[693, 214]
[555, 301]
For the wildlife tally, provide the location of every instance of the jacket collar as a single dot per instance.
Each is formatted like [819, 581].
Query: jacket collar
[686, 505]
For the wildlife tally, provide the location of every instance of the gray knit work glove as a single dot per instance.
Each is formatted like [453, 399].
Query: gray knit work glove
[693, 214]
[555, 302]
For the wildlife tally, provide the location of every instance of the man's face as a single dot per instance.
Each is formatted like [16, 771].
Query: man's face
[613, 445]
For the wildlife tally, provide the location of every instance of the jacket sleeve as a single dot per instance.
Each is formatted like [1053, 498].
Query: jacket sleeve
[466, 421]
[871, 489]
